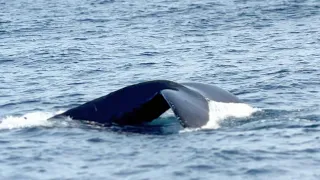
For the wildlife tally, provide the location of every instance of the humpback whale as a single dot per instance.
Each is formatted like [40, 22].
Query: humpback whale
[143, 102]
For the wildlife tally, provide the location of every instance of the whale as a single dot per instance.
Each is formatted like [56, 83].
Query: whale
[144, 102]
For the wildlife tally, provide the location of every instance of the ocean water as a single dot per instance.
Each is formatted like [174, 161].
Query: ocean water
[55, 55]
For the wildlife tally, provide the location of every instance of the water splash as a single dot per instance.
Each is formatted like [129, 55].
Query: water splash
[219, 111]
[28, 120]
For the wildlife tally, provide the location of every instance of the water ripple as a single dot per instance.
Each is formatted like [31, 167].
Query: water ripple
[59, 54]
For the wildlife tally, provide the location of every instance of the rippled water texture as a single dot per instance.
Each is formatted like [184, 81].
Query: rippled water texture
[55, 55]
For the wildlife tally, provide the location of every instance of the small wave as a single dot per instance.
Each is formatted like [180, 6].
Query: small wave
[219, 111]
[187, 130]
[28, 120]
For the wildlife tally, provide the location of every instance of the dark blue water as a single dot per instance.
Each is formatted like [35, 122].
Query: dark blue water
[55, 55]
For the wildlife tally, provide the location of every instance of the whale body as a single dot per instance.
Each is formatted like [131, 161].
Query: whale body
[143, 102]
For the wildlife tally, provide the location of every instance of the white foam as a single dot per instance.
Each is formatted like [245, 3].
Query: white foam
[219, 111]
[28, 120]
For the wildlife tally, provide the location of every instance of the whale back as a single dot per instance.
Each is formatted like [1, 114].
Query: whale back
[143, 102]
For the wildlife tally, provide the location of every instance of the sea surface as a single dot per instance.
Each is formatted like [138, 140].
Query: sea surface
[57, 54]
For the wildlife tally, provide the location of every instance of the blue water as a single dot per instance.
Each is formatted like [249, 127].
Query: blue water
[55, 55]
